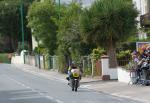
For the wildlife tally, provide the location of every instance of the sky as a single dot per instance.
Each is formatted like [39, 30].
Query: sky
[85, 2]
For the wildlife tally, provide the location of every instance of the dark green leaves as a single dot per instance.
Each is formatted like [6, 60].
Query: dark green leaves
[108, 20]
[41, 20]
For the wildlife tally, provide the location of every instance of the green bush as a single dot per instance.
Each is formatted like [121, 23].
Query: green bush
[123, 57]
[131, 66]
[4, 58]
[97, 53]
[87, 72]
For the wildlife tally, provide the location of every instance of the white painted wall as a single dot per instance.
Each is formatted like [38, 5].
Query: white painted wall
[123, 75]
[17, 60]
[126, 76]
[34, 43]
[106, 70]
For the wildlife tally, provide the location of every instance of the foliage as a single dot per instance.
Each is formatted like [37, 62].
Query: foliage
[20, 48]
[41, 20]
[41, 50]
[130, 66]
[136, 39]
[36, 50]
[10, 22]
[63, 66]
[68, 34]
[108, 22]
[124, 54]
[70, 45]
[97, 53]
[87, 72]
[124, 57]
[4, 58]
[126, 46]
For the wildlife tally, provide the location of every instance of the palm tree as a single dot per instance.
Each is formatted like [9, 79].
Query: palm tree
[108, 22]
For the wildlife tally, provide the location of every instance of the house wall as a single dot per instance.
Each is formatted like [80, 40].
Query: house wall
[112, 72]
[143, 8]
[123, 75]
[126, 76]
[17, 60]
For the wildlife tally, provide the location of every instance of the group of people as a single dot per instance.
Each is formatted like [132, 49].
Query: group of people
[139, 58]
[142, 60]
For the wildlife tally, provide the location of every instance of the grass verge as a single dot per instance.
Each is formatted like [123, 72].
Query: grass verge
[4, 58]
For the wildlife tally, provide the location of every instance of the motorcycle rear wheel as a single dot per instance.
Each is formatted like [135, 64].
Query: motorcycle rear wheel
[76, 85]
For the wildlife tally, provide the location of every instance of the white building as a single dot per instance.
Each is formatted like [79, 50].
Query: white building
[143, 6]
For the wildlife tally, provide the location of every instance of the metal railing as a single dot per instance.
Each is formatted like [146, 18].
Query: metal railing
[123, 62]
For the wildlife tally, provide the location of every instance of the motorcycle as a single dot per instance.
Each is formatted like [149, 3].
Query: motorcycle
[144, 73]
[74, 79]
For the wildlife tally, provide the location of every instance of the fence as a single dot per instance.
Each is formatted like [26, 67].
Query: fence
[42, 61]
[52, 62]
[124, 62]
[89, 66]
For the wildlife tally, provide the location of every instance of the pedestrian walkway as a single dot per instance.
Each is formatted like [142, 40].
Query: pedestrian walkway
[52, 73]
[135, 92]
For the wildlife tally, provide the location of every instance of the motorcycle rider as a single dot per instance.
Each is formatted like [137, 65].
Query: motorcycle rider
[144, 63]
[71, 69]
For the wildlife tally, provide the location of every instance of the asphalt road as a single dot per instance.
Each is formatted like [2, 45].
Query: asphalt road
[17, 86]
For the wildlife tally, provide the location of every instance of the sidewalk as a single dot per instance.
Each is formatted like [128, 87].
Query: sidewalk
[135, 92]
[52, 74]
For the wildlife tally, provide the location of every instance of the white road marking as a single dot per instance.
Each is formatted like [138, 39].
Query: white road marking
[28, 87]
[49, 97]
[29, 97]
[58, 101]
[32, 90]
[21, 92]
[84, 86]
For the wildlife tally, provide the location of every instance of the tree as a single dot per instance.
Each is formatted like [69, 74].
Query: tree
[70, 45]
[8, 13]
[108, 22]
[68, 34]
[69, 39]
[10, 23]
[41, 19]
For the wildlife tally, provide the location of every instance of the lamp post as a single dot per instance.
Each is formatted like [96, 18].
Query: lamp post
[22, 24]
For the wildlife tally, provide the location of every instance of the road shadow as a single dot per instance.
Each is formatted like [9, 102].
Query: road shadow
[23, 96]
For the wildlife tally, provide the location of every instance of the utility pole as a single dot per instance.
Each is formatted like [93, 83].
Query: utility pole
[22, 23]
